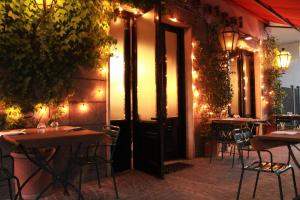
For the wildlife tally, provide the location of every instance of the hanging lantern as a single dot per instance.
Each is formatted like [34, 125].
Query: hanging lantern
[228, 38]
[283, 59]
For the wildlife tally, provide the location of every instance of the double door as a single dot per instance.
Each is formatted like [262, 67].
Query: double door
[147, 93]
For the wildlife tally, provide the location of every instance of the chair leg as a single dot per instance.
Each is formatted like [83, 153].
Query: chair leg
[98, 176]
[240, 185]
[114, 181]
[294, 182]
[255, 186]
[79, 186]
[248, 153]
[280, 186]
[222, 150]
[211, 151]
[233, 156]
[10, 189]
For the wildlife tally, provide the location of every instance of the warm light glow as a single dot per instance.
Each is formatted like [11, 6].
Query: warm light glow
[63, 109]
[99, 93]
[248, 38]
[194, 74]
[41, 2]
[146, 83]
[13, 114]
[103, 71]
[193, 44]
[130, 9]
[41, 109]
[83, 107]
[193, 87]
[171, 74]
[193, 57]
[195, 105]
[228, 38]
[116, 73]
[196, 94]
[283, 59]
[173, 19]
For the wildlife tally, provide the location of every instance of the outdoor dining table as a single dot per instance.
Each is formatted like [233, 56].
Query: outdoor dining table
[30, 141]
[239, 122]
[276, 139]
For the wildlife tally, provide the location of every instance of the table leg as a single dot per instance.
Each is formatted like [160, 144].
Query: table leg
[44, 164]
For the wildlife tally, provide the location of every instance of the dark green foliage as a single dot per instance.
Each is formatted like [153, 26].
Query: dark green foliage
[274, 93]
[39, 51]
[214, 84]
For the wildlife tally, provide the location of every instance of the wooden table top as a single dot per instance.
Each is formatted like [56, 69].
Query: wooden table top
[275, 139]
[51, 137]
[241, 120]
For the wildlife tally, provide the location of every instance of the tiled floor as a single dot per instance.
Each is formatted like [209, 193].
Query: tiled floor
[203, 181]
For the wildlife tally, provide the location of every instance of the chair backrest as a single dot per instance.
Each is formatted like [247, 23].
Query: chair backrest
[242, 137]
[113, 132]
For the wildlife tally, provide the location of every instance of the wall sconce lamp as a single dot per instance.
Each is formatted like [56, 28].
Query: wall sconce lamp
[283, 59]
[228, 38]
[83, 107]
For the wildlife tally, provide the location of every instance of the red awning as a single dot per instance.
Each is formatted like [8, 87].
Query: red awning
[288, 9]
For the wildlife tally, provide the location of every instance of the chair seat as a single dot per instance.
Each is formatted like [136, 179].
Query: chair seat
[5, 174]
[267, 167]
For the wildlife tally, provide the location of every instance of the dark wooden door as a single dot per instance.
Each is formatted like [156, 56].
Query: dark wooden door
[148, 97]
[120, 87]
[174, 73]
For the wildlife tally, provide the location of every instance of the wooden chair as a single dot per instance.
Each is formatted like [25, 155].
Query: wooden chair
[242, 139]
[8, 175]
[92, 156]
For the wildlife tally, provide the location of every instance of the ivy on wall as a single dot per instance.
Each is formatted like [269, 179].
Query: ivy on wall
[40, 51]
[214, 85]
[273, 91]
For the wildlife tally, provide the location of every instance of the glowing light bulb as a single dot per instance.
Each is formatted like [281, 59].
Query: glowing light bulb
[173, 19]
[84, 107]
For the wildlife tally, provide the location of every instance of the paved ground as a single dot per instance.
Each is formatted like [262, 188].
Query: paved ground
[203, 181]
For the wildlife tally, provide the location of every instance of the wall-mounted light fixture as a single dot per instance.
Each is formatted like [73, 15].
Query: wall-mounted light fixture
[283, 59]
[228, 37]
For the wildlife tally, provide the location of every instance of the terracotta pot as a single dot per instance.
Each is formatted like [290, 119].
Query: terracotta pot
[24, 168]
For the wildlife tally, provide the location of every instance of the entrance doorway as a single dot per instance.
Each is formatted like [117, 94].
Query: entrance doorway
[147, 97]
[174, 138]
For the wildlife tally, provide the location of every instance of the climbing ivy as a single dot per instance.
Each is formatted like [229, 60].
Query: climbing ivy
[40, 50]
[211, 64]
[273, 92]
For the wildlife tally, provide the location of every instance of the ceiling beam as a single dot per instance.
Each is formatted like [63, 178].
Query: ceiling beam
[276, 14]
